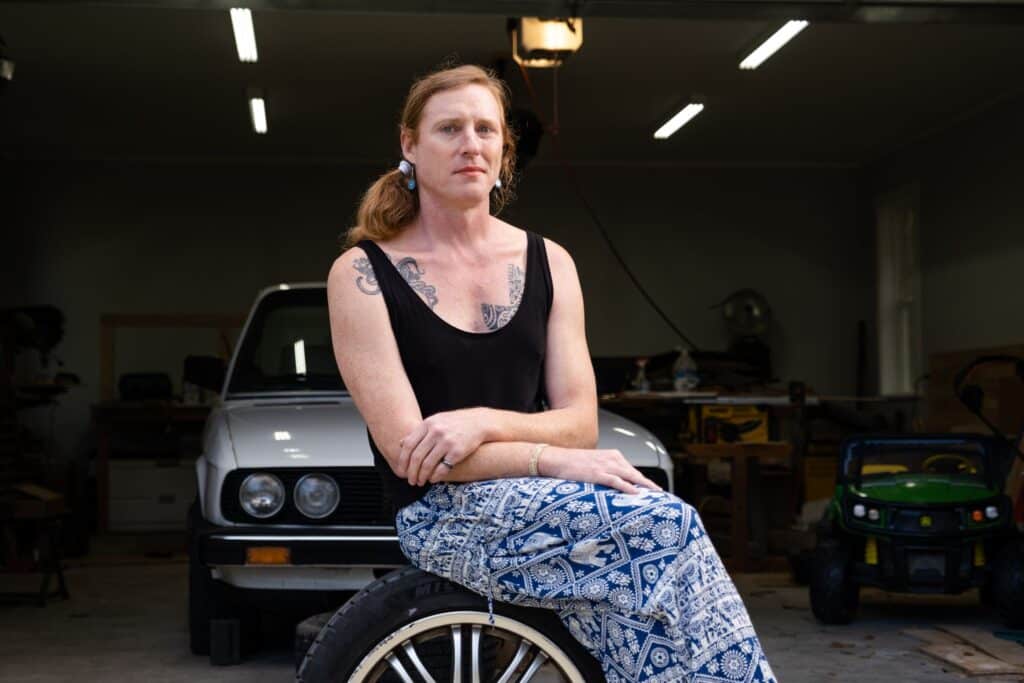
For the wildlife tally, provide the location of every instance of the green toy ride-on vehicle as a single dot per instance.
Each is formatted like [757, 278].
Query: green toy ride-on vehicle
[920, 513]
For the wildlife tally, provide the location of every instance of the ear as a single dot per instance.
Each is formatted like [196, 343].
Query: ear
[408, 145]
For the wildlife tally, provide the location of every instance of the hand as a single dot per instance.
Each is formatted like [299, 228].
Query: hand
[450, 436]
[597, 466]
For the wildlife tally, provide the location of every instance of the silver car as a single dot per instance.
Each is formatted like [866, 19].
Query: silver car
[289, 502]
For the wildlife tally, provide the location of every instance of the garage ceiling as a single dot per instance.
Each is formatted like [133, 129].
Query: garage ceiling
[125, 81]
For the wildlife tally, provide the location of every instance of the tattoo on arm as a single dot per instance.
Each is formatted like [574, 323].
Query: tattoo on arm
[497, 315]
[407, 268]
[367, 280]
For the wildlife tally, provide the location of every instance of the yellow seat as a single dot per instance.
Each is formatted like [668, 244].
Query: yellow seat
[883, 469]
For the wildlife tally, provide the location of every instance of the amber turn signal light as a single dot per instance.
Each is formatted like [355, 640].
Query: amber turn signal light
[268, 555]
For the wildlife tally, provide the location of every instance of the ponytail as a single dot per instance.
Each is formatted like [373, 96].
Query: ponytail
[386, 208]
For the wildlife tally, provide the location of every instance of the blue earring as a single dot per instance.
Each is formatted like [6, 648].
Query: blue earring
[409, 171]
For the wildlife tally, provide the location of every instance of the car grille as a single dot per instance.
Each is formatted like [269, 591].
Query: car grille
[942, 521]
[363, 502]
[657, 475]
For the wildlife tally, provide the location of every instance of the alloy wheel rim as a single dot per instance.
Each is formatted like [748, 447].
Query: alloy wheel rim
[524, 654]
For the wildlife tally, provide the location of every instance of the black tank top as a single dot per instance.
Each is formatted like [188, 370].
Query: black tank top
[450, 368]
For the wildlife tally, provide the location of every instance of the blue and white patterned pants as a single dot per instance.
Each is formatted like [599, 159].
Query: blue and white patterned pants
[633, 577]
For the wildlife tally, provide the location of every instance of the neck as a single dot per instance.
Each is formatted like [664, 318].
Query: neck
[452, 228]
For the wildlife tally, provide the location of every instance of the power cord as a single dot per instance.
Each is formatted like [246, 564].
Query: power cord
[578, 189]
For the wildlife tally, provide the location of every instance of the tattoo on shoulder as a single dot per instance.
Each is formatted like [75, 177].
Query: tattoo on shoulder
[498, 315]
[407, 267]
[367, 280]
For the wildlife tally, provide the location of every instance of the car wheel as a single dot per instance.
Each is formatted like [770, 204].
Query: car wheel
[200, 591]
[834, 593]
[411, 625]
[1008, 583]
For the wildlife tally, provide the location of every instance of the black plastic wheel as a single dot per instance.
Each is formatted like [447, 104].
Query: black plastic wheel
[1008, 582]
[834, 593]
[411, 625]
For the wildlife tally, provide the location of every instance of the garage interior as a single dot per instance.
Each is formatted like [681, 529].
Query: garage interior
[832, 239]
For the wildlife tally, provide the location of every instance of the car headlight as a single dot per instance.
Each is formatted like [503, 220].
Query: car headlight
[261, 495]
[992, 512]
[858, 510]
[316, 495]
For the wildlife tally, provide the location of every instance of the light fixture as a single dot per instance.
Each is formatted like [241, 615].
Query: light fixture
[678, 121]
[544, 43]
[6, 65]
[772, 45]
[299, 349]
[258, 113]
[245, 35]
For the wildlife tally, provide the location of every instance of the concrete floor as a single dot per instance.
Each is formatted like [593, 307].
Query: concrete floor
[126, 621]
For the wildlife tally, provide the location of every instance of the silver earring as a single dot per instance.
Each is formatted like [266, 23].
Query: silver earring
[497, 184]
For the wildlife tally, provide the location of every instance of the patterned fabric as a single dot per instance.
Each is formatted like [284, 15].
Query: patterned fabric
[633, 577]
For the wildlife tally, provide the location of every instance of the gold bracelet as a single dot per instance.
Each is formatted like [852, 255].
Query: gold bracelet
[535, 458]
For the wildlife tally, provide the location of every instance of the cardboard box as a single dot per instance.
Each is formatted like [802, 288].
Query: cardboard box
[739, 424]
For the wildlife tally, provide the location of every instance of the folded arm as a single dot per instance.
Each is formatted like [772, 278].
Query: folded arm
[370, 364]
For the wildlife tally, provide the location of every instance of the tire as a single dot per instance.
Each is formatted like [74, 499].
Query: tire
[1008, 583]
[834, 593]
[200, 591]
[411, 610]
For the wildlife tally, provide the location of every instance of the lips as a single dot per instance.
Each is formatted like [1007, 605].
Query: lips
[471, 169]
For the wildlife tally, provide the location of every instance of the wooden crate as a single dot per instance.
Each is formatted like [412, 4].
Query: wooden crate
[1004, 393]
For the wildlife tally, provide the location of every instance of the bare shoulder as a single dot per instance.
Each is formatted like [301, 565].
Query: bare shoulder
[352, 267]
[560, 261]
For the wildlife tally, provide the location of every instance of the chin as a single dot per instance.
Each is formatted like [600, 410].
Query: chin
[468, 198]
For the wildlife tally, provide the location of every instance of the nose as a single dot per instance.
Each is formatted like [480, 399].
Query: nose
[471, 145]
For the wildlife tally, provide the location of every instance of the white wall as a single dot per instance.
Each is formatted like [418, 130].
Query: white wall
[971, 177]
[170, 238]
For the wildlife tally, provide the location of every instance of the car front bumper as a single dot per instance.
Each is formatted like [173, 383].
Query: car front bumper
[317, 559]
[927, 565]
[220, 546]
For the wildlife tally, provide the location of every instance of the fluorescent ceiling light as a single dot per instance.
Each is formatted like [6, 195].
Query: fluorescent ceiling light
[245, 36]
[772, 45]
[678, 121]
[258, 110]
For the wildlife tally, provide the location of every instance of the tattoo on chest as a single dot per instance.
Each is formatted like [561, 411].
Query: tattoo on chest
[407, 268]
[498, 315]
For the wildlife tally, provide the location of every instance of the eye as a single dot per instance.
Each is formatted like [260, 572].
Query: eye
[449, 128]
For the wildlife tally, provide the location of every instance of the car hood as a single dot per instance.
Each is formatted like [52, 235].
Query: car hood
[639, 445]
[925, 488]
[328, 434]
[333, 434]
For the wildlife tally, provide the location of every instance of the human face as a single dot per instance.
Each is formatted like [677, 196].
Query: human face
[457, 147]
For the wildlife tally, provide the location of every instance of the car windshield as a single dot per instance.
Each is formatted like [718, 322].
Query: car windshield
[287, 346]
[959, 459]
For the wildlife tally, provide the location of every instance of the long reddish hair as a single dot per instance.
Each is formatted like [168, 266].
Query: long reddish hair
[388, 205]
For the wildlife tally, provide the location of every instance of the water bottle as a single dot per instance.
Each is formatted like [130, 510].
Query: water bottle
[684, 372]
